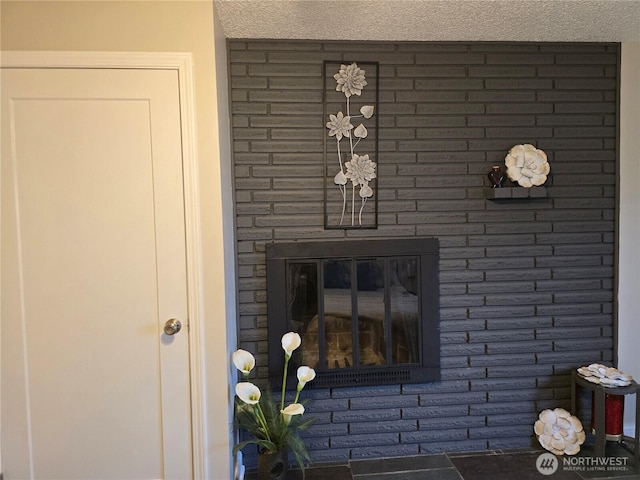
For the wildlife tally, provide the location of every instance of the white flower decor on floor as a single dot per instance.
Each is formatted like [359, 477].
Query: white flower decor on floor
[607, 376]
[527, 165]
[359, 169]
[559, 432]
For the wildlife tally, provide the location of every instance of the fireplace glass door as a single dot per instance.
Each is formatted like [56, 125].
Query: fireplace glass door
[380, 293]
[361, 317]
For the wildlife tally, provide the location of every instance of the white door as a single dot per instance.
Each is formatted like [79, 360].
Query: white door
[93, 265]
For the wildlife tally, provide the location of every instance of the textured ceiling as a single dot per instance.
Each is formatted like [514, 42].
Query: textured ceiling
[433, 20]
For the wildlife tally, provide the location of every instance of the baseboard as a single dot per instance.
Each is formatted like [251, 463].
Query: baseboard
[238, 468]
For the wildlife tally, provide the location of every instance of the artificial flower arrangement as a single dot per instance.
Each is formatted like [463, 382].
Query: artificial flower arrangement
[275, 427]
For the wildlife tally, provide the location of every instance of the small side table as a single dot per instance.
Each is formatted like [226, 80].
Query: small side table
[599, 411]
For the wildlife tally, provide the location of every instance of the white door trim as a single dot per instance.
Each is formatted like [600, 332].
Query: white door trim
[183, 64]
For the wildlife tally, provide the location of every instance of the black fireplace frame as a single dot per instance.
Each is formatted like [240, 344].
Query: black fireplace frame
[426, 250]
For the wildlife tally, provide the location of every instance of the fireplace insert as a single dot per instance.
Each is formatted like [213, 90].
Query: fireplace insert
[367, 310]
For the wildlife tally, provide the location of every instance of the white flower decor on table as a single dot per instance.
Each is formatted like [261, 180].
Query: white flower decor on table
[274, 426]
[607, 376]
[527, 165]
[357, 168]
[559, 432]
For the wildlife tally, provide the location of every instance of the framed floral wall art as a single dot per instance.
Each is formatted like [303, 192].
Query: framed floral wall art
[350, 100]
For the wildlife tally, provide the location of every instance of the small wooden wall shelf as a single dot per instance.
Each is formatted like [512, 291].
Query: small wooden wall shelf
[508, 193]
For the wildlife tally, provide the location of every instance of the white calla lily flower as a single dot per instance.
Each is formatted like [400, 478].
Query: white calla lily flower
[291, 410]
[290, 341]
[305, 374]
[244, 361]
[248, 392]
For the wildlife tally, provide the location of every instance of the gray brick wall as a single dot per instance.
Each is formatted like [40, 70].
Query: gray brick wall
[526, 285]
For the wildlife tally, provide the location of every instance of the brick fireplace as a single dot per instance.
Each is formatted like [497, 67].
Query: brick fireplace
[526, 286]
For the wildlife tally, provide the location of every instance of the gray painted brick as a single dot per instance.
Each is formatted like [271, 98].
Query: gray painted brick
[375, 390]
[521, 298]
[491, 337]
[526, 287]
[510, 442]
[448, 363]
[575, 358]
[501, 431]
[455, 386]
[452, 447]
[521, 394]
[450, 422]
[520, 58]
[464, 373]
[360, 439]
[324, 405]
[502, 359]
[502, 96]
[364, 415]
[492, 287]
[501, 371]
[448, 399]
[383, 427]
[438, 435]
[325, 429]
[601, 343]
[499, 408]
[379, 451]
[502, 384]
[277, 45]
[395, 401]
[519, 83]
[537, 321]
[569, 332]
[518, 275]
[513, 347]
[333, 455]
[461, 349]
[268, 70]
[520, 108]
[449, 58]
[511, 419]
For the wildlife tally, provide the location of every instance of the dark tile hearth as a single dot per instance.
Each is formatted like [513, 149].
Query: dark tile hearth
[487, 465]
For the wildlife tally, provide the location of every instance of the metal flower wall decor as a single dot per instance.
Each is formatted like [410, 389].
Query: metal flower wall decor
[527, 165]
[351, 166]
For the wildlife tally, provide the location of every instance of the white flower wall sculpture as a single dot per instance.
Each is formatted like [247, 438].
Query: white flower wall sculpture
[356, 168]
[607, 376]
[527, 165]
[559, 432]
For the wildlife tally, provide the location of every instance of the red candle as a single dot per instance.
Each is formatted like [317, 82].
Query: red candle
[614, 415]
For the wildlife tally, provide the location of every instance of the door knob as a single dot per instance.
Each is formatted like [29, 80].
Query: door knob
[172, 326]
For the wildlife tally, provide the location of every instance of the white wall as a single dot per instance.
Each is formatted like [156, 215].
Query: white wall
[167, 26]
[629, 228]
